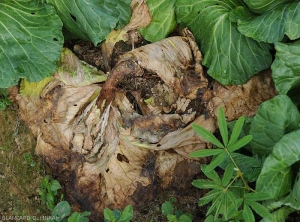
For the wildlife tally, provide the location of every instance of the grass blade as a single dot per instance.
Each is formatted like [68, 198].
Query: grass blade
[242, 142]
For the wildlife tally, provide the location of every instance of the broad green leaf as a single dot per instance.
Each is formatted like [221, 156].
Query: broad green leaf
[171, 218]
[276, 183]
[163, 20]
[279, 215]
[227, 174]
[273, 120]
[238, 126]
[250, 166]
[247, 214]
[261, 6]
[184, 218]
[108, 215]
[127, 214]
[240, 143]
[231, 57]
[275, 177]
[259, 209]
[61, 210]
[292, 199]
[223, 126]
[31, 41]
[273, 25]
[216, 161]
[206, 135]
[92, 19]
[285, 68]
[167, 208]
[206, 152]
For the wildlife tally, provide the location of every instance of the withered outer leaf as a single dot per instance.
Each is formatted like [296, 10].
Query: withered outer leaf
[99, 158]
[243, 99]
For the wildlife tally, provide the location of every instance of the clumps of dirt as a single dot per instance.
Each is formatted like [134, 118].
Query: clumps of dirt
[19, 181]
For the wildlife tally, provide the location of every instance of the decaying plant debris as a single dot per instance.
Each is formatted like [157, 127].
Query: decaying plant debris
[119, 142]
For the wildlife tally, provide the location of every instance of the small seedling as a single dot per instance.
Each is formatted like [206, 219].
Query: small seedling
[118, 216]
[4, 101]
[177, 216]
[48, 191]
[63, 209]
[29, 160]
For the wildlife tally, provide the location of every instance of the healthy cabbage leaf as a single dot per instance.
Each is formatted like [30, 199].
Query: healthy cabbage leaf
[31, 41]
[292, 199]
[92, 19]
[163, 20]
[274, 24]
[273, 120]
[261, 6]
[232, 58]
[276, 175]
[285, 68]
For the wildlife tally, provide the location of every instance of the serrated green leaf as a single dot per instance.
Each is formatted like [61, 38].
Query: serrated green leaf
[216, 161]
[240, 143]
[211, 174]
[216, 205]
[285, 68]
[31, 41]
[206, 152]
[257, 196]
[232, 58]
[274, 24]
[262, 6]
[206, 135]
[205, 184]
[260, 209]
[94, 19]
[223, 126]
[233, 200]
[208, 197]
[163, 20]
[238, 126]
[227, 174]
[247, 214]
